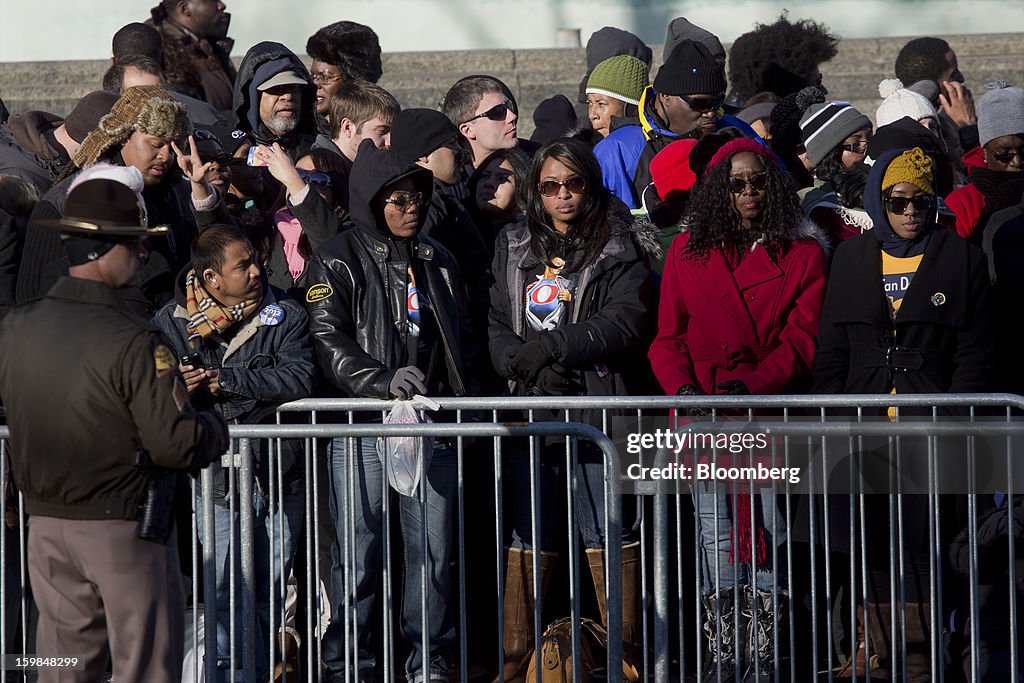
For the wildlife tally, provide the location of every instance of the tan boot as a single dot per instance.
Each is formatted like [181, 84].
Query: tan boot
[857, 662]
[632, 615]
[518, 610]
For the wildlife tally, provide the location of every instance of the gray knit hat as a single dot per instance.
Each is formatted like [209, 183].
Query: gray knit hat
[1000, 112]
[681, 29]
[824, 126]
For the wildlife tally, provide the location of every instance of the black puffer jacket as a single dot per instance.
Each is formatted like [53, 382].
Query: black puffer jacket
[262, 61]
[605, 341]
[357, 296]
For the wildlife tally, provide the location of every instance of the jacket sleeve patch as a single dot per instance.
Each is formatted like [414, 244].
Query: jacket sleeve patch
[318, 292]
[164, 361]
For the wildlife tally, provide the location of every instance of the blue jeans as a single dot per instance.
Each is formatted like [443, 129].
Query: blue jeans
[589, 501]
[369, 483]
[712, 500]
[287, 522]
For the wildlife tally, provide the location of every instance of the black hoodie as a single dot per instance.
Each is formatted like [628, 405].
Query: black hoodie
[357, 302]
[262, 61]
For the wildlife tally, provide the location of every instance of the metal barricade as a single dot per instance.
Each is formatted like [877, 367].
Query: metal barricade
[810, 572]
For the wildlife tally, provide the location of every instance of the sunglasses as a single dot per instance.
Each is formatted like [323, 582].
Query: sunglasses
[703, 104]
[1007, 157]
[757, 182]
[898, 205]
[405, 201]
[856, 147]
[550, 188]
[496, 113]
[314, 177]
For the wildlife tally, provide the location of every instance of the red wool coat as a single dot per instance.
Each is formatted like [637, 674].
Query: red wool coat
[756, 324]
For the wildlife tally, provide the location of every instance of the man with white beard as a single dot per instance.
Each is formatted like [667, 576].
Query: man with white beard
[274, 100]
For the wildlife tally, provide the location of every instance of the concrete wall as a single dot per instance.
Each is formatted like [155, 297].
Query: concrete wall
[420, 79]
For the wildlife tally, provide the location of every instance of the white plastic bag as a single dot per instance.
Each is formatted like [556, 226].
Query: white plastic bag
[406, 457]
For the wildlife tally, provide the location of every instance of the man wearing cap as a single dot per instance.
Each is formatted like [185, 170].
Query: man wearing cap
[684, 102]
[137, 132]
[254, 353]
[274, 99]
[103, 580]
[36, 145]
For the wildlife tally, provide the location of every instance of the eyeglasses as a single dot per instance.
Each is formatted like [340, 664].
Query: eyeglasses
[406, 201]
[898, 205]
[703, 104]
[758, 182]
[314, 177]
[496, 113]
[859, 147]
[1007, 157]
[324, 79]
[551, 188]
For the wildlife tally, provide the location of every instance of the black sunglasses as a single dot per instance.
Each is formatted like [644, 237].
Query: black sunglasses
[550, 188]
[898, 205]
[496, 113]
[703, 104]
[405, 200]
[758, 181]
[856, 147]
[1007, 157]
[314, 177]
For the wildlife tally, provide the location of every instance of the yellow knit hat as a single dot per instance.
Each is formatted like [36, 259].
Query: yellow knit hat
[910, 167]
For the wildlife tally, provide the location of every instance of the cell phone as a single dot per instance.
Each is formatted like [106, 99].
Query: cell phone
[252, 159]
[193, 359]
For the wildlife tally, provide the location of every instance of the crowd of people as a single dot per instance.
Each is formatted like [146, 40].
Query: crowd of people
[727, 228]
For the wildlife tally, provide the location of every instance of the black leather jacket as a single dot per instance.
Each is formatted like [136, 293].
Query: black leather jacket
[357, 293]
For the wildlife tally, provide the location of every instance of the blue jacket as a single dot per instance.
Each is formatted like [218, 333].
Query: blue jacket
[262, 365]
[624, 163]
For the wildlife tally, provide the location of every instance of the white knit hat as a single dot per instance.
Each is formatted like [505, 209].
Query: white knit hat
[899, 102]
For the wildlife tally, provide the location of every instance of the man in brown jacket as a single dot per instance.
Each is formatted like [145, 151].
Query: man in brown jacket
[95, 402]
[197, 51]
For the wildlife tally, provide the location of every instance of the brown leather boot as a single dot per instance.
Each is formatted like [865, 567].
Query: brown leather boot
[632, 614]
[857, 661]
[879, 625]
[518, 643]
[917, 628]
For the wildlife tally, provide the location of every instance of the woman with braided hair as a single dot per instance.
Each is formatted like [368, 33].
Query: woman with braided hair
[755, 335]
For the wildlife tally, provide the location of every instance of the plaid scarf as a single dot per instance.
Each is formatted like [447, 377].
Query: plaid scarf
[206, 315]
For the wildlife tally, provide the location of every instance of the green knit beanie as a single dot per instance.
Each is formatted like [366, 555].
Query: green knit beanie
[622, 77]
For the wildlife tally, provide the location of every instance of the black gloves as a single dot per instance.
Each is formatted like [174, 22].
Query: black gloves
[693, 390]
[528, 361]
[407, 382]
[557, 380]
[733, 387]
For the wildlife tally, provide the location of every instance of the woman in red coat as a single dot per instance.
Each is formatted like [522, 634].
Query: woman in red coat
[741, 296]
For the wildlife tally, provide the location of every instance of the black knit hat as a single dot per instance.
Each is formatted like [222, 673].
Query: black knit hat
[690, 70]
[416, 133]
[86, 115]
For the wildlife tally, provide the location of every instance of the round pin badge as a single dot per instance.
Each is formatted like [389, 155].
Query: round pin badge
[272, 314]
[938, 298]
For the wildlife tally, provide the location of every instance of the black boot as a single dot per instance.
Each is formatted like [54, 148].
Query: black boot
[762, 631]
[720, 630]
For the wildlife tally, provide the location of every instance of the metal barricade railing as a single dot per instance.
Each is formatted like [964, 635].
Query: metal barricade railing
[673, 639]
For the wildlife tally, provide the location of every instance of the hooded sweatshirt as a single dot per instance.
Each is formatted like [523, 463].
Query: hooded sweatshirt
[891, 243]
[374, 170]
[262, 61]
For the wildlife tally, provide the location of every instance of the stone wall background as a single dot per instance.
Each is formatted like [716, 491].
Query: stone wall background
[420, 79]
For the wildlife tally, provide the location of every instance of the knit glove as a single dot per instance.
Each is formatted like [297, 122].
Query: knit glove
[693, 390]
[407, 382]
[528, 361]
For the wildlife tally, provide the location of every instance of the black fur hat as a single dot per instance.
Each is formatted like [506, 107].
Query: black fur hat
[353, 48]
